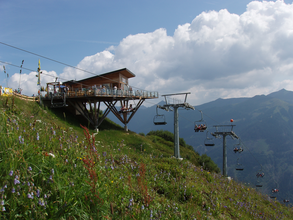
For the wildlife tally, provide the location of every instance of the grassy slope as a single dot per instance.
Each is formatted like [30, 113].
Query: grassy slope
[61, 173]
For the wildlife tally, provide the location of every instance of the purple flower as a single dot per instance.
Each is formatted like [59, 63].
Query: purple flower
[16, 181]
[52, 171]
[13, 190]
[11, 173]
[41, 203]
[30, 196]
[30, 168]
[38, 193]
[3, 209]
[2, 202]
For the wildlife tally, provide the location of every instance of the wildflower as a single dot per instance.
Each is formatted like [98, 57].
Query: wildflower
[29, 168]
[38, 193]
[3, 209]
[11, 173]
[16, 181]
[51, 178]
[41, 203]
[13, 190]
[2, 202]
[30, 196]
[142, 207]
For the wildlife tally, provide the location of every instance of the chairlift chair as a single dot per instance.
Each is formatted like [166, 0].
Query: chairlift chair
[209, 142]
[239, 166]
[200, 125]
[159, 119]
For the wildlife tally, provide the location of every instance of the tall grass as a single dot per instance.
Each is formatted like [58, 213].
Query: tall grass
[53, 171]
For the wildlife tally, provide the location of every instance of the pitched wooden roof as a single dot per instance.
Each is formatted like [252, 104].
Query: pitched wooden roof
[125, 72]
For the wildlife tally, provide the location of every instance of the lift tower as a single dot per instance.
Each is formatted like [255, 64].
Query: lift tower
[225, 131]
[174, 104]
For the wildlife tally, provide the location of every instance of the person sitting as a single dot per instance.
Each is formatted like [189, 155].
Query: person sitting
[286, 200]
[260, 174]
[240, 149]
[196, 128]
[235, 149]
[203, 127]
[275, 190]
[123, 109]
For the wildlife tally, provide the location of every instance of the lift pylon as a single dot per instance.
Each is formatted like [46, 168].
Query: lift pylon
[174, 104]
[225, 130]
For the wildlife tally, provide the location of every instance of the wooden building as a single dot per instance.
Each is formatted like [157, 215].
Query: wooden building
[84, 97]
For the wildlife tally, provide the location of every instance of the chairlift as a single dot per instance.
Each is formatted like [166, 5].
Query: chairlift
[274, 192]
[239, 166]
[159, 119]
[209, 142]
[200, 125]
[238, 148]
[259, 176]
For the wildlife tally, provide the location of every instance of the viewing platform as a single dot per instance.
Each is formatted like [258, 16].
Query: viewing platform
[84, 97]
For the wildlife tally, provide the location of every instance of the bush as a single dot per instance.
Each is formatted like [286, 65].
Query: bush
[206, 162]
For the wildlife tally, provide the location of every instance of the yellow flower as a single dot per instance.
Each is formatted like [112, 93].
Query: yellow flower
[111, 181]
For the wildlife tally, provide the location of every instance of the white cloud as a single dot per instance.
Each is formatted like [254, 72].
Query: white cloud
[28, 82]
[218, 54]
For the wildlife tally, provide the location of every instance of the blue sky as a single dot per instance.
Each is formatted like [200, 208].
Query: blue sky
[214, 49]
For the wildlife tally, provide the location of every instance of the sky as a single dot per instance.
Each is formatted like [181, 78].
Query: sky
[212, 49]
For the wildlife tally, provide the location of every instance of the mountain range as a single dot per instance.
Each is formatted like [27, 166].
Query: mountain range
[264, 124]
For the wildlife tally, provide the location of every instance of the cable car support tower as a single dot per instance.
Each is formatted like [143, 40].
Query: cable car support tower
[225, 132]
[174, 104]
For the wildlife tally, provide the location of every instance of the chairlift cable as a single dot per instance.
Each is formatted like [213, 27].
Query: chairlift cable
[56, 61]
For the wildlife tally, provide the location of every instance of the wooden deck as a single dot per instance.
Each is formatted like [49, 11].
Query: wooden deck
[99, 94]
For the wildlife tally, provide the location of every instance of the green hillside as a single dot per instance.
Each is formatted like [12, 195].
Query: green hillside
[52, 168]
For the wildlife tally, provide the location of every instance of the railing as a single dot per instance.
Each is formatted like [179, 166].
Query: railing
[106, 93]
[24, 97]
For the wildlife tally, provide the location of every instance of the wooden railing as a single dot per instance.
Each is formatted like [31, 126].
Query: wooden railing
[27, 98]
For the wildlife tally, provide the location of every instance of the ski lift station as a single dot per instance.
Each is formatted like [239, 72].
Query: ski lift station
[109, 88]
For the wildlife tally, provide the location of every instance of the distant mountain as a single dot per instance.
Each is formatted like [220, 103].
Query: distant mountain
[264, 123]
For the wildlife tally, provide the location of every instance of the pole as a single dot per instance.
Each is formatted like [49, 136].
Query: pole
[176, 133]
[224, 156]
